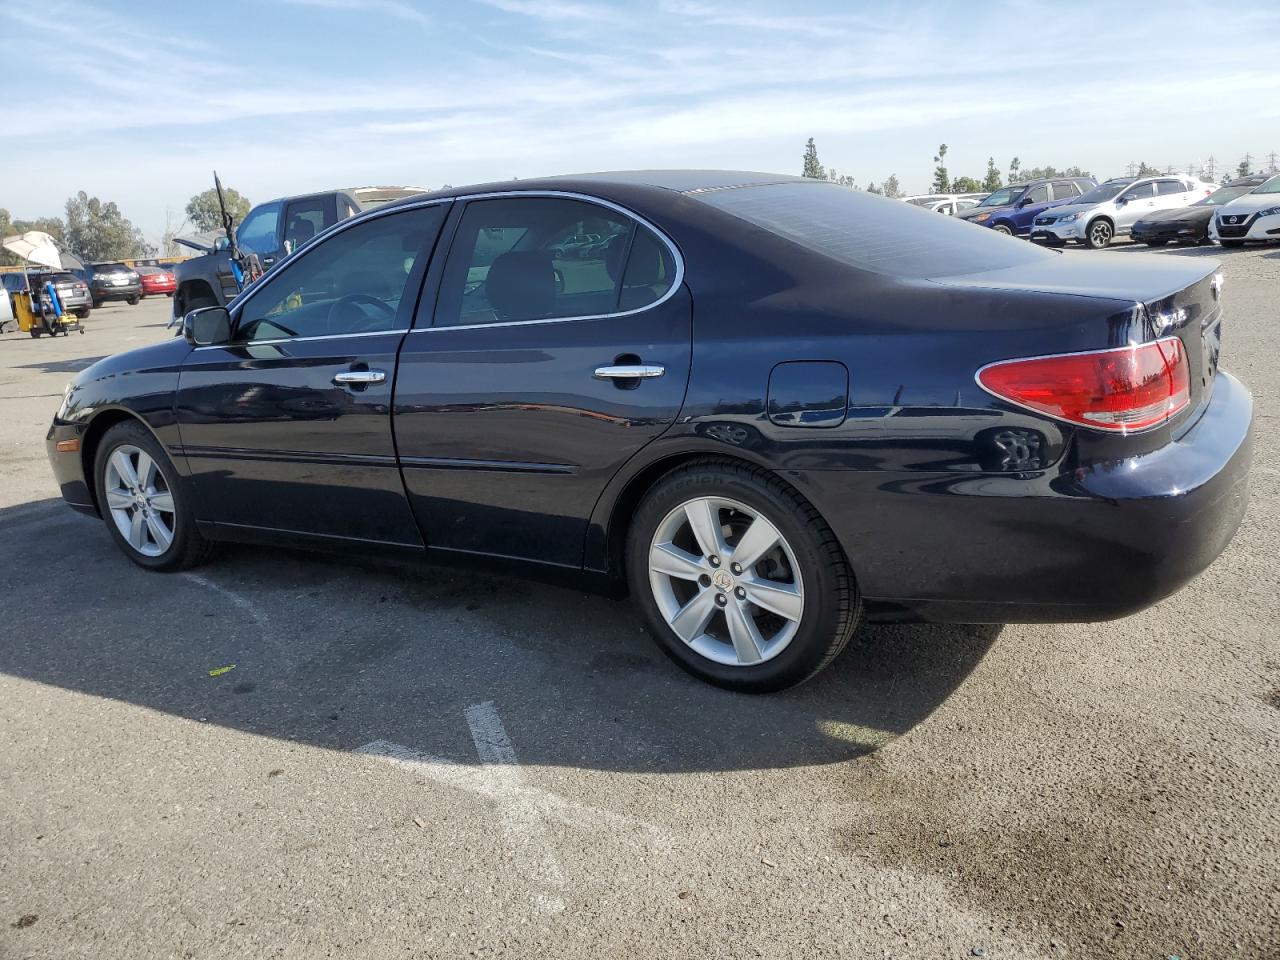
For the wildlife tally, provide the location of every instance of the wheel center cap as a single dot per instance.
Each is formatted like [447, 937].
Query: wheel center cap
[722, 580]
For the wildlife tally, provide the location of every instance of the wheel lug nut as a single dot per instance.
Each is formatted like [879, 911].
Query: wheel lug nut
[721, 599]
[740, 594]
[736, 568]
[714, 561]
[704, 580]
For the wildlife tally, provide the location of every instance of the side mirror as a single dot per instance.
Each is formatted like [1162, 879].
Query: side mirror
[1121, 201]
[207, 326]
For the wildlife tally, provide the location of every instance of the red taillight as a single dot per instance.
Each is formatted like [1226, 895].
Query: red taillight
[1121, 390]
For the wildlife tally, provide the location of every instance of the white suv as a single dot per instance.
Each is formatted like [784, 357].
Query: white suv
[1255, 216]
[1110, 209]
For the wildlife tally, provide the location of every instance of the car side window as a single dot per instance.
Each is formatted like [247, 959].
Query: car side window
[303, 219]
[533, 258]
[349, 283]
[1165, 187]
[257, 232]
[1141, 191]
[1065, 190]
[650, 273]
[1039, 194]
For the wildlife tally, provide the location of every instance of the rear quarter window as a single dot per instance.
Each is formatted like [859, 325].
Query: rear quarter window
[873, 233]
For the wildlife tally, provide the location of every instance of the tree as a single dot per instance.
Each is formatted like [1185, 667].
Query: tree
[1015, 169]
[203, 212]
[844, 180]
[812, 168]
[1246, 166]
[891, 188]
[992, 182]
[872, 188]
[940, 182]
[965, 185]
[99, 231]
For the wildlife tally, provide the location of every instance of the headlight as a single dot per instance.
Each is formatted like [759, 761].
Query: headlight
[1069, 218]
[981, 217]
[1269, 212]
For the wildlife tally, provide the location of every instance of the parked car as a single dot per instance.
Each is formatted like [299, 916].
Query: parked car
[1110, 209]
[1254, 216]
[930, 199]
[773, 406]
[950, 207]
[156, 281]
[1011, 209]
[1189, 224]
[73, 292]
[111, 281]
[269, 231]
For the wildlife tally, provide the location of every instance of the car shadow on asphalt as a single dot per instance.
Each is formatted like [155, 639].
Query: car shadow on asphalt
[60, 366]
[336, 652]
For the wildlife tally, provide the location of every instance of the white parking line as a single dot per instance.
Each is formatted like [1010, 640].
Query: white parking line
[524, 809]
[241, 601]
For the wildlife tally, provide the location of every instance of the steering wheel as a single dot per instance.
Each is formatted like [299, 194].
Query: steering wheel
[371, 324]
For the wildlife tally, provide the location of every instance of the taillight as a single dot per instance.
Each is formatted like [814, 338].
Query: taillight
[1121, 390]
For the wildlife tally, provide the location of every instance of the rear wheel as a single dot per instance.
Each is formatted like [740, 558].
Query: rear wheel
[1100, 234]
[741, 581]
[35, 333]
[132, 301]
[144, 507]
[83, 313]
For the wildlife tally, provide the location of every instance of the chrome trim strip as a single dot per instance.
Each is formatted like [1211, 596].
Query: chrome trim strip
[242, 344]
[496, 466]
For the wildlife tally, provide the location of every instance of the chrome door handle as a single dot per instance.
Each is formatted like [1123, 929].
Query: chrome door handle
[630, 371]
[360, 376]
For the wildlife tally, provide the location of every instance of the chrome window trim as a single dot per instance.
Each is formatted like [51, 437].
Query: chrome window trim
[676, 283]
[241, 344]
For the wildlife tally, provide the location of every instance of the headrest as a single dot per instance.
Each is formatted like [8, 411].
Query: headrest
[614, 251]
[522, 285]
[301, 230]
[644, 266]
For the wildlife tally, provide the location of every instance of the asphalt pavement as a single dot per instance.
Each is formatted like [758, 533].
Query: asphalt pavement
[407, 760]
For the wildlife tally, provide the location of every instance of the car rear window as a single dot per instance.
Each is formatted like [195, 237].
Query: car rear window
[872, 233]
[110, 268]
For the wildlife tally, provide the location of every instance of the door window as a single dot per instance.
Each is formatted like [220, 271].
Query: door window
[303, 219]
[352, 282]
[257, 232]
[1141, 192]
[1065, 190]
[1166, 187]
[536, 258]
[1038, 194]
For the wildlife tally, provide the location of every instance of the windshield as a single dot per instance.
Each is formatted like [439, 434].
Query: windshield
[1219, 197]
[1271, 186]
[1104, 191]
[1002, 197]
[872, 233]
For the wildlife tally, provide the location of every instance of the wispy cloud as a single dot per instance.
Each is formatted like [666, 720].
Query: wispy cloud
[401, 9]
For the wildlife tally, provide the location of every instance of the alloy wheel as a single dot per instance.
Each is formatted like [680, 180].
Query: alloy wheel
[140, 500]
[726, 581]
[1100, 234]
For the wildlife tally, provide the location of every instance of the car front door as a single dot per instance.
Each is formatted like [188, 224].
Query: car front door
[304, 218]
[288, 426]
[541, 369]
[1030, 206]
[1139, 200]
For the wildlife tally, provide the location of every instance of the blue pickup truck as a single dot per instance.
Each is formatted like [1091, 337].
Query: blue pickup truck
[1012, 209]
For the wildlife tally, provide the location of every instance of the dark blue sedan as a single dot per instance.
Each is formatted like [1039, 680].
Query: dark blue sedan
[767, 407]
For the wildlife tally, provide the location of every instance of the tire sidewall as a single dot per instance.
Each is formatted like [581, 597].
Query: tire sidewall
[1089, 241]
[134, 434]
[808, 649]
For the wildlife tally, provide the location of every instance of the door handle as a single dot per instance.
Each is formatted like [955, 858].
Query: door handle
[360, 377]
[630, 371]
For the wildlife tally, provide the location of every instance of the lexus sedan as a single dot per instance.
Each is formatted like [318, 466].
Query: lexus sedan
[766, 407]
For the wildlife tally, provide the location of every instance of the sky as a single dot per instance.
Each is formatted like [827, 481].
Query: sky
[138, 101]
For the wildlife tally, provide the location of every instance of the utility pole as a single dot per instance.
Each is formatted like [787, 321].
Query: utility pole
[1246, 165]
[1272, 166]
[1211, 168]
[1131, 168]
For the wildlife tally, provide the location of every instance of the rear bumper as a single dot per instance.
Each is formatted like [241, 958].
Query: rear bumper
[102, 294]
[1094, 543]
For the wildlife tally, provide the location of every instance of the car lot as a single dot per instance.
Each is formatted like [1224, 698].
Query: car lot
[412, 760]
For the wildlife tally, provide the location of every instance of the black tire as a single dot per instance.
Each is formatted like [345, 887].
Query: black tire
[1155, 243]
[97, 304]
[35, 333]
[132, 301]
[833, 605]
[83, 313]
[1099, 234]
[1003, 228]
[188, 548]
[1232, 243]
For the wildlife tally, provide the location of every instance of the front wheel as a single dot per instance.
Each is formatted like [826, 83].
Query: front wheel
[1232, 243]
[1100, 235]
[140, 499]
[741, 581]
[132, 301]
[1003, 228]
[1155, 243]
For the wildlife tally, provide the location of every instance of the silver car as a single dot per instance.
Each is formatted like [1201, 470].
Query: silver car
[1110, 209]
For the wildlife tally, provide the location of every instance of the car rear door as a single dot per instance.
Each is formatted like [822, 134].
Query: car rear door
[1173, 193]
[288, 426]
[1032, 205]
[539, 370]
